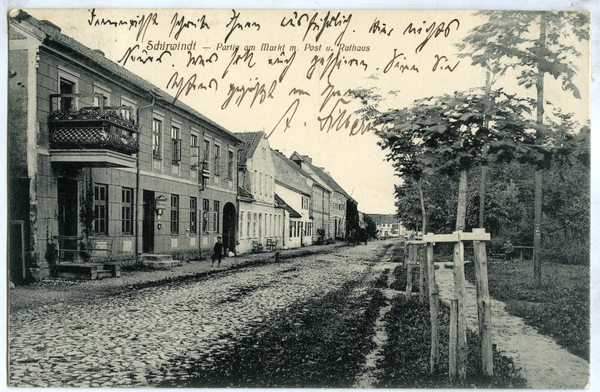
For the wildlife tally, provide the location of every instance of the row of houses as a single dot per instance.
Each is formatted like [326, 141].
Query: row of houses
[98, 153]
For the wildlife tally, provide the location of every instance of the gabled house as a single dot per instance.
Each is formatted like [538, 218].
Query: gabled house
[294, 188]
[334, 205]
[103, 164]
[261, 219]
[320, 196]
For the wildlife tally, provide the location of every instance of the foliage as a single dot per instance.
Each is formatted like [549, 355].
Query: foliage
[505, 41]
[405, 362]
[559, 308]
[371, 229]
[440, 198]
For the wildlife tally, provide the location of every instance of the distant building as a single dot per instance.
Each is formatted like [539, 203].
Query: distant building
[331, 214]
[388, 225]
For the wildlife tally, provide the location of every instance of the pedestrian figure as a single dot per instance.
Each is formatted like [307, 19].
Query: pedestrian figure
[508, 250]
[218, 251]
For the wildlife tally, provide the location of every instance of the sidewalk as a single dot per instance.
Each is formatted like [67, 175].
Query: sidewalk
[59, 292]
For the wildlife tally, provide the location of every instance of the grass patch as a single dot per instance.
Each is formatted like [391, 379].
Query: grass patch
[315, 344]
[560, 308]
[400, 276]
[405, 363]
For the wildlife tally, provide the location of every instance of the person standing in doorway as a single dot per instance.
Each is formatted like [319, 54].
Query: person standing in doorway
[218, 252]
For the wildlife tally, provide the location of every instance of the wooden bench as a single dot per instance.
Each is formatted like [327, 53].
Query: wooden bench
[100, 247]
[271, 244]
[256, 247]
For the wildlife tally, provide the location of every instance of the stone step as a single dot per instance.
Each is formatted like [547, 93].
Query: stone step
[159, 261]
[87, 271]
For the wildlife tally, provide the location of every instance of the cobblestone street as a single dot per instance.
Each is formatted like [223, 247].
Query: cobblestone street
[127, 339]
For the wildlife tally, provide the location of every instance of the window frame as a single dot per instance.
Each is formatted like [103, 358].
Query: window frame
[193, 215]
[127, 211]
[176, 144]
[217, 159]
[230, 164]
[174, 214]
[205, 212]
[101, 207]
[157, 138]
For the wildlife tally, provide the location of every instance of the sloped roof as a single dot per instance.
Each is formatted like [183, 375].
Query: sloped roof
[244, 193]
[384, 218]
[310, 173]
[293, 213]
[54, 36]
[250, 141]
[289, 174]
[324, 177]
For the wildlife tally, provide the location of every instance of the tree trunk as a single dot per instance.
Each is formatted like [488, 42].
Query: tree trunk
[537, 223]
[486, 121]
[461, 211]
[423, 212]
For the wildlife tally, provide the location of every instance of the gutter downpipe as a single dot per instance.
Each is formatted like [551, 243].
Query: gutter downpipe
[137, 185]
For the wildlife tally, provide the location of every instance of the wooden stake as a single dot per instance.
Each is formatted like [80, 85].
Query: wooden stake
[484, 311]
[408, 292]
[459, 295]
[421, 262]
[452, 366]
[433, 310]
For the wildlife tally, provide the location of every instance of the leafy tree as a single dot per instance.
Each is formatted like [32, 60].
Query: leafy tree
[371, 227]
[505, 41]
[446, 135]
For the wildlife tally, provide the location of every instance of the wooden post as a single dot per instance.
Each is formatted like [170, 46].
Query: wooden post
[425, 272]
[459, 295]
[452, 365]
[421, 275]
[408, 292]
[433, 310]
[484, 311]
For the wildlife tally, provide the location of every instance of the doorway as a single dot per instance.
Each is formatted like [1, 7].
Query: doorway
[148, 222]
[67, 215]
[229, 221]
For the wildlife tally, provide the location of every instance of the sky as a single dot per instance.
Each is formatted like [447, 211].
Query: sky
[307, 107]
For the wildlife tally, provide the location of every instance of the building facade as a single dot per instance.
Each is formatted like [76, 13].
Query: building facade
[331, 213]
[294, 189]
[388, 225]
[260, 218]
[99, 155]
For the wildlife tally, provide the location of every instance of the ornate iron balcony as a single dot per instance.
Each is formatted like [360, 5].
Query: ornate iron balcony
[95, 127]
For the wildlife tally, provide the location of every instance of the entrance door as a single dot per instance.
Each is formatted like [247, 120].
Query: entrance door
[229, 222]
[67, 215]
[148, 223]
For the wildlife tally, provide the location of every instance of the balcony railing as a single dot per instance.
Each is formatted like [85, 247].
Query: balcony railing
[93, 127]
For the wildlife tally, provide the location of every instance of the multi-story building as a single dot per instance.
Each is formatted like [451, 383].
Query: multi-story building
[294, 188]
[320, 196]
[101, 158]
[261, 219]
[334, 211]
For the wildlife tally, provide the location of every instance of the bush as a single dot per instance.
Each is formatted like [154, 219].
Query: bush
[566, 251]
